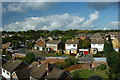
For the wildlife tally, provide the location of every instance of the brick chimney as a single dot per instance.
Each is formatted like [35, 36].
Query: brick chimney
[48, 68]
[73, 39]
[39, 62]
[13, 56]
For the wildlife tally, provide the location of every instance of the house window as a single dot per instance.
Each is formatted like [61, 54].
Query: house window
[93, 44]
[68, 44]
[74, 45]
[4, 71]
[99, 44]
[94, 51]
[7, 73]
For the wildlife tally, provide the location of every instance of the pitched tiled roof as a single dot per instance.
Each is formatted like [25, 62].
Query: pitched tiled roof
[11, 65]
[25, 72]
[72, 41]
[38, 72]
[86, 59]
[4, 61]
[6, 45]
[96, 35]
[81, 35]
[117, 34]
[53, 42]
[55, 74]
[97, 41]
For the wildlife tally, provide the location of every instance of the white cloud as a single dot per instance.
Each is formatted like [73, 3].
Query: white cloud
[93, 18]
[24, 6]
[52, 22]
[31, 1]
[14, 7]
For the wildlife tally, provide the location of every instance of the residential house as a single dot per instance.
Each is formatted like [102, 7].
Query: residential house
[6, 45]
[24, 74]
[97, 44]
[72, 46]
[114, 35]
[55, 45]
[46, 71]
[4, 61]
[40, 71]
[10, 66]
[116, 44]
[115, 38]
[18, 70]
[96, 36]
[40, 44]
[118, 36]
[58, 74]
[81, 36]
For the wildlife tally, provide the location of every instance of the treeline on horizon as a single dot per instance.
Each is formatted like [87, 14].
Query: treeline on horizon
[33, 35]
[82, 31]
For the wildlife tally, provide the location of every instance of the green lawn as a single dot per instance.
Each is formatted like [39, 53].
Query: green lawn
[85, 73]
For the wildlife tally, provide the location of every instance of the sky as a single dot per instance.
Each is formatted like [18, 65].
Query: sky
[23, 16]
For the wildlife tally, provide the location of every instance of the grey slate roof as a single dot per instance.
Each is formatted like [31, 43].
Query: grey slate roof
[25, 72]
[96, 35]
[97, 41]
[11, 65]
[4, 61]
[55, 74]
[86, 59]
[53, 42]
[72, 41]
[81, 35]
[38, 72]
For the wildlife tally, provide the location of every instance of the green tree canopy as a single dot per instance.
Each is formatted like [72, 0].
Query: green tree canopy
[108, 46]
[30, 45]
[86, 44]
[30, 57]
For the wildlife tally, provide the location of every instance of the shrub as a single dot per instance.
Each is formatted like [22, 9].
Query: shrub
[102, 67]
[76, 75]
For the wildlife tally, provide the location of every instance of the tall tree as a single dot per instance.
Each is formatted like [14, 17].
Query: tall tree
[108, 46]
[86, 44]
[113, 60]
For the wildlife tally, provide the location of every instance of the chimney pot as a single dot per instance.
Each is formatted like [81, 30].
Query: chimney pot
[39, 62]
